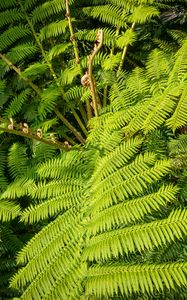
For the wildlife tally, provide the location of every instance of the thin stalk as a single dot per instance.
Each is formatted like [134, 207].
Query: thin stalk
[111, 54]
[72, 128]
[113, 47]
[93, 89]
[89, 109]
[124, 53]
[37, 90]
[83, 113]
[79, 121]
[105, 96]
[77, 58]
[72, 35]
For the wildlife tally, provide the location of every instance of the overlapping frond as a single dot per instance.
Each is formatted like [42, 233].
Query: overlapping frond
[109, 215]
[132, 210]
[105, 281]
[8, 210]
[11, 35]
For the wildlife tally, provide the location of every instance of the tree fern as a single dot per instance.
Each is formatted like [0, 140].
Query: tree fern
[115, 209]
[102, 211]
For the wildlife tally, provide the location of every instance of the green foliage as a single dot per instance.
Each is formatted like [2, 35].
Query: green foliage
[111, 205]
[109, 217]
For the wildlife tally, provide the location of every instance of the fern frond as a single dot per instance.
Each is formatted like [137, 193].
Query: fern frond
[17, 160]
[50, 208]
[111, 62]
[17, 103]
[158, 67]
[9, 16]
[90, 35]
[126, 39]
[3, 177]
[137, 238]
[47, 9]
[11, 35]
[48, 100]
[142, 14]
[60, 226]
[42, 152]
[21, 52]
[69, 74]
[62, 166]
[8, 210]
[108, 279]
[179, 70]
[178, 35]
[75, 92]
[14, 191]
[108, 14]
[161, 108]
[46, 125]
[53, 29]
[179, 145]
[8, 3]
[137, 84]
[179, 117]
[116, 159]
[130, 211]
[35, 70]
[130, 180]
[53, 189]
[13, 243]
[57, 50]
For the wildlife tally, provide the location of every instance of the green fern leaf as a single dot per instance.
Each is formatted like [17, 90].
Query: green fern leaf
[54, 29]
[143, 14]
[137, 238]
[104, 281]
[11, 35]
[17, 103]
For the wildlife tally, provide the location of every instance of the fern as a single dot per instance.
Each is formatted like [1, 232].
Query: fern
[10, 36]
[103, 215]
[17, 103]
[129, 278]
[53, 30]
[101, 210]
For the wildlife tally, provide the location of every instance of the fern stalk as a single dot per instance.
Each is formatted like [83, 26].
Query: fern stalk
[95, 97]
[34, 137]
[72, 35]
[71, 127]
[124, 53]
[77, 60]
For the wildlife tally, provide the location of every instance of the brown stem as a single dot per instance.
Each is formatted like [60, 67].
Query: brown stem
[93, 89]
[73, 129]
[83, 113]
[35, 137]
[77, 58]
